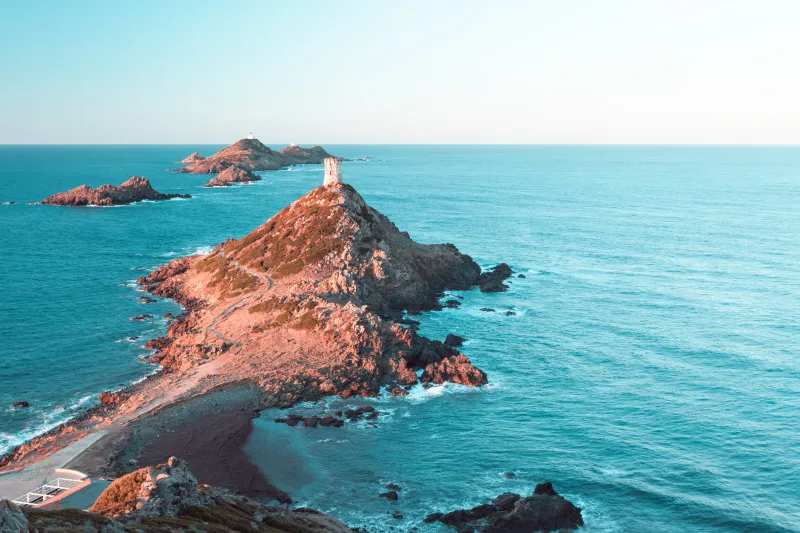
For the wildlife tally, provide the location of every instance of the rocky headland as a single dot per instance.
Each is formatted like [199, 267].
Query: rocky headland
[307, 305]
[135, 189]
[232, 175]
[252, 154]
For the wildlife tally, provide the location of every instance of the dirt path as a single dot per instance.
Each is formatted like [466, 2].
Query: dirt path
[238, 303]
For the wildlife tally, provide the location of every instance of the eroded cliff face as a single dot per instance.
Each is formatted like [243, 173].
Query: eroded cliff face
[301, 305]
[135, 189]
[252, 154]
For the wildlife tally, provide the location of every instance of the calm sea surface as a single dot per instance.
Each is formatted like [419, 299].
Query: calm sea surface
[651, 372]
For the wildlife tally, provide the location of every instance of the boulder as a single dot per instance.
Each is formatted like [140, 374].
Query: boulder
[20, 404]
[11, 518]
[231, 175]
[455, 369]
[454, 340]
[163, 491]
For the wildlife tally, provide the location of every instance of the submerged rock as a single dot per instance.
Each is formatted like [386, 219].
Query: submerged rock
[544, 510]
[135, 189]
[20, 404]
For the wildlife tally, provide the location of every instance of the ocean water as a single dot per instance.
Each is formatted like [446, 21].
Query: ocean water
[651, 371]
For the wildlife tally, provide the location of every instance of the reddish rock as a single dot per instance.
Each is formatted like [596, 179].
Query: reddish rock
[110, 398]
[135, 189]
[194, 158]
[456, 369]
[232, 175]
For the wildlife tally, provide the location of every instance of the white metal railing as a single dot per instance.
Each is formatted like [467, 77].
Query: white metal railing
[47, 491]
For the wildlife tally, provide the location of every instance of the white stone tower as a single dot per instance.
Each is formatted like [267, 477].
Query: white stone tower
[332, 171]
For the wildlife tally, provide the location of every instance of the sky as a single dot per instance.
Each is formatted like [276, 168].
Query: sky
[392, 72]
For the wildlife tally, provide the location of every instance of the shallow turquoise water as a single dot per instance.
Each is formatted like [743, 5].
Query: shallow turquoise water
[651, 371]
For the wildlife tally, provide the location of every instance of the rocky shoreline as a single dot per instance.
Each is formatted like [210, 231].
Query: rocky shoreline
[253, 155]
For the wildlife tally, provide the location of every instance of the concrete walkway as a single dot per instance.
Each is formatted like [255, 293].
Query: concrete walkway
[16, 483]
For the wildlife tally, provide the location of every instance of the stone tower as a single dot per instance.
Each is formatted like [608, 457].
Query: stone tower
[332, 172]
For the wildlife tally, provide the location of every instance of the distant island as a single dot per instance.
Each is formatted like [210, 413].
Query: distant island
[135, 189]
[252, 154]
[231, 175]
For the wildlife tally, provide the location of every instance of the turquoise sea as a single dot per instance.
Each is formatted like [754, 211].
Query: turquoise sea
[651, 371]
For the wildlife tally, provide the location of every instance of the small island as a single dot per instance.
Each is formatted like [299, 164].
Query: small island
[135, 189]
[252, 154]
[232, 175]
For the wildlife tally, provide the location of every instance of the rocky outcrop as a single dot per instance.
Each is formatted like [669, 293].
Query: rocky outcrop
[232, 175]
[11, 518]
[194, 158]
[252, 154]
[456, 369]
[135, 189]
[544, 510]
[492, 280]
[20, 405]
[163, 490]
[168, 498]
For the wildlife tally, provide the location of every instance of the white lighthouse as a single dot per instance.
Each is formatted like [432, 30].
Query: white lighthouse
[332, 171]
[250, 135]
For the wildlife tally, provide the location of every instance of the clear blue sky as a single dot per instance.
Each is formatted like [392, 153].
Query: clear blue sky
[407, 71]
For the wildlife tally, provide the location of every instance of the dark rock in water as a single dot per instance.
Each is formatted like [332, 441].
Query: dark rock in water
[135, 189]
[169, 315]
[510, 475]
[311, 421]
[487, 309]
[20, 404]
[492, 280]
[545, 510]
[510, 313]
[9, 203]
[146, 300]
[453, 340]
[394, 487]
[141, 317]
[408, 322]
[506, 501]
[397, 514]
[522, 276]
[390, 496]
[452, 304]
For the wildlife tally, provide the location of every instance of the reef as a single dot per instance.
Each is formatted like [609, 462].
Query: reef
[135, 189]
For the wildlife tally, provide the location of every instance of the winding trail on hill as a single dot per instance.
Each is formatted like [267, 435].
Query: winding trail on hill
[238, 303]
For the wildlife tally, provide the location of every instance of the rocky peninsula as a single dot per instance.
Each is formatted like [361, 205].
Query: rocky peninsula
[232, 175]
[309, 304]
[135, 189]
[252, 154]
